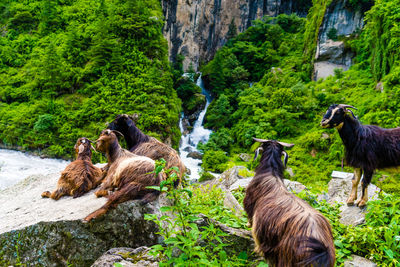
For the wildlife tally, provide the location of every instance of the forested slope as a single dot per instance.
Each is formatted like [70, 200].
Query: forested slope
[263, 89]
[68, 66]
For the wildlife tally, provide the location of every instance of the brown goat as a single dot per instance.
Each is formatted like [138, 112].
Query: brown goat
[80, 176]
[130, 174]
[144, 145]
[287, 230]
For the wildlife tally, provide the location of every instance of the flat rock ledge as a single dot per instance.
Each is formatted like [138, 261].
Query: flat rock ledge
[44, 232]
[338, 191]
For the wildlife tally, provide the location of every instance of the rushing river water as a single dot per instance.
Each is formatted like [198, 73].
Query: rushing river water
[199, 134]
[16, 166]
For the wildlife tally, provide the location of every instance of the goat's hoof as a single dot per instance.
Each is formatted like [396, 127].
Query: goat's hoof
[361, 203]
[46, 194]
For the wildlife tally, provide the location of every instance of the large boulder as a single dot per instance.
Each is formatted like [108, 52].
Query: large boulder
[51, 233]
[338, 192]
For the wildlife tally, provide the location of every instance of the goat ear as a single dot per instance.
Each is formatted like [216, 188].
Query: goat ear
[257, 152]
[117, 133]
[81, 148]
[285, 160]
[92, 147]
[286, 144]
[349, 110]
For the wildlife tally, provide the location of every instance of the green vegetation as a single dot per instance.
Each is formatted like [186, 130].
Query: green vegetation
[276, 100]
[190, 239]
[377, 239]
[69, 66]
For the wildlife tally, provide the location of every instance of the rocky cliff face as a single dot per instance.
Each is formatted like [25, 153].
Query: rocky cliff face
[196, 29]
[340, 19]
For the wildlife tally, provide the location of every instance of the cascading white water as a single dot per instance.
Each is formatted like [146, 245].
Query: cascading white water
[16, 166]
[190, 141]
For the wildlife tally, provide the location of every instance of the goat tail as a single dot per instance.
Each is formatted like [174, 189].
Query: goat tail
[317, 253]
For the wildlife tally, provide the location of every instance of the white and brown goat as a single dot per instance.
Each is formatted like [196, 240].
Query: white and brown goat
[128, 173]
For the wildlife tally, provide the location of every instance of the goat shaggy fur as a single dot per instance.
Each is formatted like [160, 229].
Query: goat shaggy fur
[145, 145]
[80, 176]
[367, 147]
[128, 173]
[287, 230]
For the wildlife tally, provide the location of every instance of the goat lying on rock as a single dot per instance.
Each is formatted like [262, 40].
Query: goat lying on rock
[368, 147]
[80, 176]
[144, 145]
[287, 230]
[130, 174]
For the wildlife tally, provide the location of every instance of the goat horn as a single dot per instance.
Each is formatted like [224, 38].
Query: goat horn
[261, 140]
[90, 141]
[346, 106]
[117, 133]
[285, 144]
[285, 160]
[257, 152]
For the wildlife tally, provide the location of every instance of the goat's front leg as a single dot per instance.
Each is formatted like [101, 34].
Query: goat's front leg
[355, 181]
[364, 188]
[104, 188]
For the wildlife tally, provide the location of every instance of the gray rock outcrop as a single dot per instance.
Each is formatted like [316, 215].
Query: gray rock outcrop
[338, 192]
[127, 257]
[51, 233]
[358, 261]
[343, 20]
[196, 29]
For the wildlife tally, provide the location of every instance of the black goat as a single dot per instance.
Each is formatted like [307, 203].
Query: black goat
[287, 230]
[368, 147]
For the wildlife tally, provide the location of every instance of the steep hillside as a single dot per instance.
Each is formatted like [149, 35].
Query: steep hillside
[68, 66]
[263, 90]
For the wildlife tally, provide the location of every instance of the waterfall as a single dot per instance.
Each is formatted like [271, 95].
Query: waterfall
[190, 141]
[16, 166]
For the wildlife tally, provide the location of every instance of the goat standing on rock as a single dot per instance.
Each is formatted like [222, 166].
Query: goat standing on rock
[287, 230]
[80, 176]
[127, 172]
[368, 147]
[144, 145]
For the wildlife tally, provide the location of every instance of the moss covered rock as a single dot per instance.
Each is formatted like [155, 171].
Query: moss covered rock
[44, 232]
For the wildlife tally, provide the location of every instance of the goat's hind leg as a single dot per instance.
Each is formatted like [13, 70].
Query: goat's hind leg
[355, 181]
[364, 188]
[127, 192]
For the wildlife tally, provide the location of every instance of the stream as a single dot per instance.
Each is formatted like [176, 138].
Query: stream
[15, 166]
[190, 141]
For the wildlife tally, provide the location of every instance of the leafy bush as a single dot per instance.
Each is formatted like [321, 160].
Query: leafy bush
[214, 161]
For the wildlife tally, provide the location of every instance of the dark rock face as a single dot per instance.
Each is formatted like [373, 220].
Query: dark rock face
[195, 155]
[196, 29]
